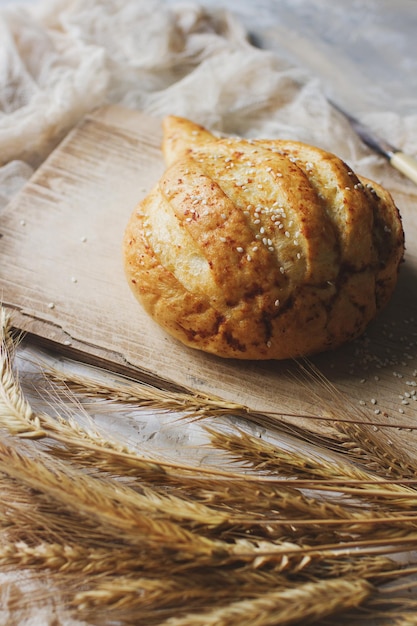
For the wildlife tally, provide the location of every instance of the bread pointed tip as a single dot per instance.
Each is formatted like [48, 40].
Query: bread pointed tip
[179, 135]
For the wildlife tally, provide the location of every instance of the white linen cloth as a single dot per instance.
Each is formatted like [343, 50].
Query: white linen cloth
[60, 59]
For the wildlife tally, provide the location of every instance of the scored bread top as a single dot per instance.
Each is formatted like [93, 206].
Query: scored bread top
[260, 249]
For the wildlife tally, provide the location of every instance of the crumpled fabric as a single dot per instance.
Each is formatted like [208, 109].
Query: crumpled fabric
[60, 59]
[15, 587]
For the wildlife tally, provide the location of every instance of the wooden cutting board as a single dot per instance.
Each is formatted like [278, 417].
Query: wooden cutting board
[61, 273]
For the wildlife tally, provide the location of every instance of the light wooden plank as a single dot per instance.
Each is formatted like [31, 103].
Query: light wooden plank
[61, 246]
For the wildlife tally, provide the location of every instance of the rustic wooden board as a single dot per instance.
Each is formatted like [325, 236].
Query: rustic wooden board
[61, 273]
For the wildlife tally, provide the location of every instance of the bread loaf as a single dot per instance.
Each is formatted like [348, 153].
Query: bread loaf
[265, 249]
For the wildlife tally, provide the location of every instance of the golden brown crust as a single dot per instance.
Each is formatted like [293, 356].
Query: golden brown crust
[261, 249]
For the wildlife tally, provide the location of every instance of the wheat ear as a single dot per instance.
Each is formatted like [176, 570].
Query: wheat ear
[266, 457]
[364, 442]
[374, 450]
[307, 602]
[187, 402]
[15, 410]
[110, 503]
[114, 506]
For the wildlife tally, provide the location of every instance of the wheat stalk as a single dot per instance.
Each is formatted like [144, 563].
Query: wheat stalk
[290, 499]
[18, 417]
[164, 502]
[14, 407]
[199, 405]
[92, 444]
[307, 602]
[375, 450]
[88, 446]
[363, 440]
[72, 558]
[108, 502]
[128, 592]
[129, 513]
[147, 396]
[266, 457]
[189, 403]
[239, 546]
[109, 506]
[125, 589]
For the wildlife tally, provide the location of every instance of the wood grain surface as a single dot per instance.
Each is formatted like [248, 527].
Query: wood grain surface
[61, 274]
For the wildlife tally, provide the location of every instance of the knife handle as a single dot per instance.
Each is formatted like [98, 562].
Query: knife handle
[405, 164]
